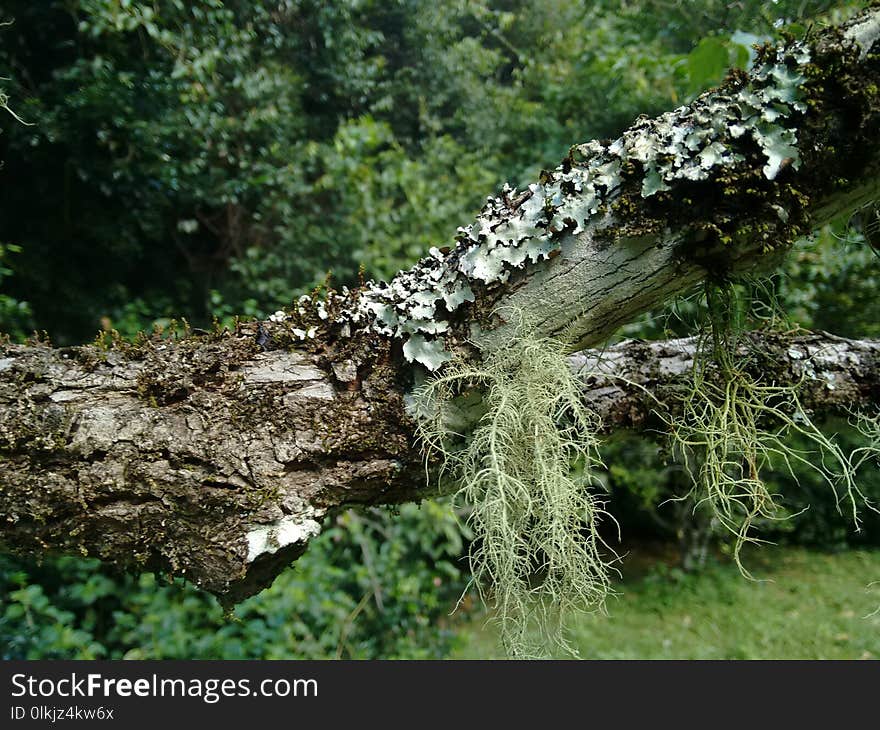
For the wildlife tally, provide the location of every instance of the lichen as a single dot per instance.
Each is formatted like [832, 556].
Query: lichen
[272, 537]
[691, 143]
[712, 171]
[516, 229]
[537, 549]
[731, 425]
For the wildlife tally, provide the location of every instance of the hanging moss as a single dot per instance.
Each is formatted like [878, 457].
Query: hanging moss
[537, 554]
[733, 424]
[868, 425]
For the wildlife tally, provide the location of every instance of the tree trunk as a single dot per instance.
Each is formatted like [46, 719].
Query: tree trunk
[218, 456]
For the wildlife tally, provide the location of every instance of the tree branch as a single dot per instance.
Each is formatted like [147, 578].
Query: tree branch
[210, 459]
[217, 457]
[629, 383]
[714, 188]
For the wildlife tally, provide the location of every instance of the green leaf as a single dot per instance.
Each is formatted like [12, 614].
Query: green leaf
[707, 64]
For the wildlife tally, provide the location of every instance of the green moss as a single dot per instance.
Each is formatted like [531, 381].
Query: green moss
[537, 552]
[732, 425]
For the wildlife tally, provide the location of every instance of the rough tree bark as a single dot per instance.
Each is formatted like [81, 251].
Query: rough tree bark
[625, 383]
[217, 456]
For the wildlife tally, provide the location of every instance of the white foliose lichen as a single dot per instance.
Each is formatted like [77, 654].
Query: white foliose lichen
[518, 228]
[281, 533]
[690, 143]
[513, 229]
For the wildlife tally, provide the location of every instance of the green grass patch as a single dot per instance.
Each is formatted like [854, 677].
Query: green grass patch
[806, 605]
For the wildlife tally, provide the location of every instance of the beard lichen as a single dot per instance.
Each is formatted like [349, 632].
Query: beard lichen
[514, 433]
[527, 476]
[867, 424]
[733, 424]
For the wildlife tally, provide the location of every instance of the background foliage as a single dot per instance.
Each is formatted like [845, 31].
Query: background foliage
[209, 159]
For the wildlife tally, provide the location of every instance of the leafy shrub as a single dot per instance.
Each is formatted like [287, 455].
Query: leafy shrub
[373, 585]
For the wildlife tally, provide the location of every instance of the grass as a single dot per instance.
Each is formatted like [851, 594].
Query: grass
[812, 605]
